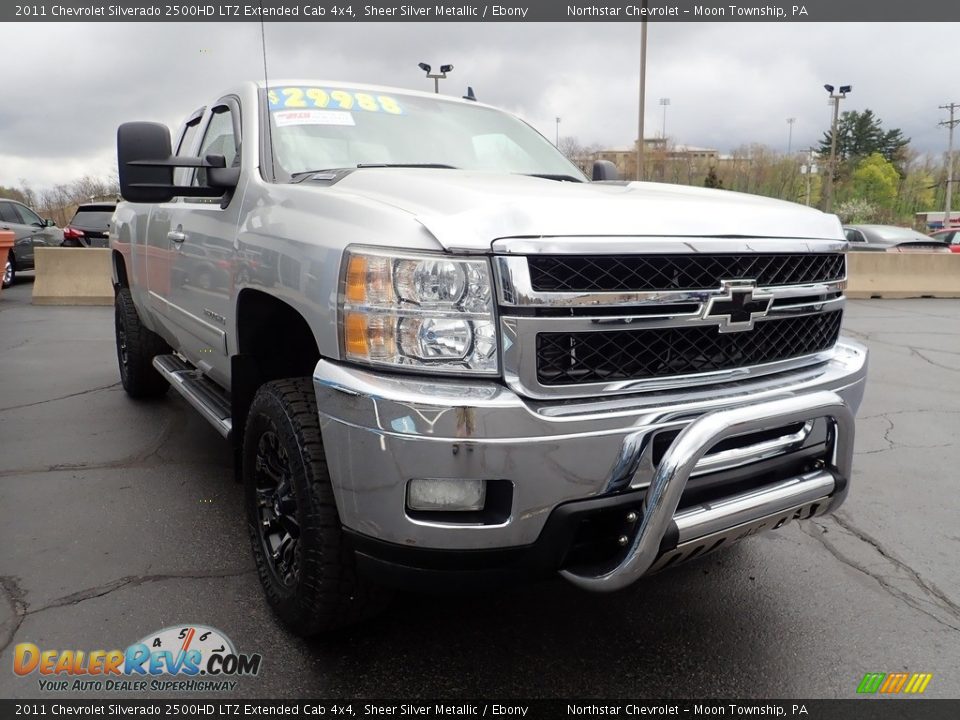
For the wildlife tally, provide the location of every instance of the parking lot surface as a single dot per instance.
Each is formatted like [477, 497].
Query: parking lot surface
[119, 518]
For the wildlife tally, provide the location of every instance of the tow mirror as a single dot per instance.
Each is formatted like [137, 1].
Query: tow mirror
[604, 170]
[146, 164]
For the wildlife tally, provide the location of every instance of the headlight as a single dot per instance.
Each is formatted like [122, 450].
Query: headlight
[425, 311]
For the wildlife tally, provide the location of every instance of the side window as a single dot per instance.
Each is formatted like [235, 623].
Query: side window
[219, 139]
[8, 214]
[853, 235]
[28, 215]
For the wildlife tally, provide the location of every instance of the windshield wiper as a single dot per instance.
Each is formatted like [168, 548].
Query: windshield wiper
[306, 174]
[440, 166]
[551, 176]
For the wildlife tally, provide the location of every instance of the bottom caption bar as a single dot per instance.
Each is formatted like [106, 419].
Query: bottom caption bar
[854, 709]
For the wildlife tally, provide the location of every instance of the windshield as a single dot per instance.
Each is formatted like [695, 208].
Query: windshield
[322, 128]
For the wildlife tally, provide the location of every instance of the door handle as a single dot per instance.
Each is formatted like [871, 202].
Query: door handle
[176, 236]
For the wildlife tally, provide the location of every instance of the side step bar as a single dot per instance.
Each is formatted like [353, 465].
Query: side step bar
[201, 393]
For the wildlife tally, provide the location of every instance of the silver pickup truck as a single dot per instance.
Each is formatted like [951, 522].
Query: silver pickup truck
[442, 355]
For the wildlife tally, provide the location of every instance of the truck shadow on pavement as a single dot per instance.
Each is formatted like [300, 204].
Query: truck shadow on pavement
[679, 633]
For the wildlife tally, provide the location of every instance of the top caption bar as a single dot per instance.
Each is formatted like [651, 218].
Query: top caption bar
[530, 11]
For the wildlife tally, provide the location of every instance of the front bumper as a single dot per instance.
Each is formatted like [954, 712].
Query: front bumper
[381, 431]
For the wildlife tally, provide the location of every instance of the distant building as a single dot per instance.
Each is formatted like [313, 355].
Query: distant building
[934, 220]
[659, 157]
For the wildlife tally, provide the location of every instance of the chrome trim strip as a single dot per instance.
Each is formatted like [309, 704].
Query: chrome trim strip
[515, 289]
[735, 457]
[711, 517]
[661, 245]
[670, 479]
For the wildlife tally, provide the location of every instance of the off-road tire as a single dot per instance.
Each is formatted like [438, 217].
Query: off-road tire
[136, 347]
[324, 594]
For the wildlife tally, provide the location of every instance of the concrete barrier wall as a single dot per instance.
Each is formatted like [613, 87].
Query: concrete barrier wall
[73, 276]
[903, 275]
[82, 276]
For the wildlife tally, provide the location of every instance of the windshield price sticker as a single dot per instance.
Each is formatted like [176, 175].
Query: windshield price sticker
[283, 118]
[292, 98]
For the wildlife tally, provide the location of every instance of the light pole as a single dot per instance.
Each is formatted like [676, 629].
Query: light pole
[835, 98]
[643, 89]
[664, 103]
[557, 143]
[790, 122]
[437, 77]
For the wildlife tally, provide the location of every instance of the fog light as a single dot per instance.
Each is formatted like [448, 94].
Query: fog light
[458, 494]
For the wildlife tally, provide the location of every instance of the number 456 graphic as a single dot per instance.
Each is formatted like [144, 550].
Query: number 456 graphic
[893, 683]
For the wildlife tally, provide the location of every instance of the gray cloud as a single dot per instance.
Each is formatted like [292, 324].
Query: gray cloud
[729, 83]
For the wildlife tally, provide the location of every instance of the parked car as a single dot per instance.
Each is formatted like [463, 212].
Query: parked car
[890, 238]
[444, 356]
[89, 225]
[950, 237]
[30, 231]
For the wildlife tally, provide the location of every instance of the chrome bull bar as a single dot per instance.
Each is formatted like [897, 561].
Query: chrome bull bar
[695, 441]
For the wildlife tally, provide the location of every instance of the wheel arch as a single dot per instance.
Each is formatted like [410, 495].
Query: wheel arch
[274, 341]
[120, 277]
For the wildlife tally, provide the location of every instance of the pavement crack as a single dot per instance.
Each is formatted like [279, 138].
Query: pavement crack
[918, 352]
[929, 588]
[139, 459]
[932, 595]
[12, 594]
[128, 581]
[61, 397]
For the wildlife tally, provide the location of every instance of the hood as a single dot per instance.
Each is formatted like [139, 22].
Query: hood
[467, 211]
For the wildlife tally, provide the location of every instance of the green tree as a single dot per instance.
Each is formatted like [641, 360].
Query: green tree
[860, 134]
[12, 193]
[711, 180]
[876, 181]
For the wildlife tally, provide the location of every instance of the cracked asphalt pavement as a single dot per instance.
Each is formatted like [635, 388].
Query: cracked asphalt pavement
[118, 518]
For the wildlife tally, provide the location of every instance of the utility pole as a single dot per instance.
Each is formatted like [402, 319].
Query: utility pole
[790, 122]
[643, 90]
[557, 143]
[950, 124]
[831, 171]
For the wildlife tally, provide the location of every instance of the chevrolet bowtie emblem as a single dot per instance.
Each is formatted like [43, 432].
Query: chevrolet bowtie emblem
[738, 307]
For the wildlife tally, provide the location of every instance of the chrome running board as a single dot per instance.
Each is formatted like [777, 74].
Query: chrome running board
[201, 393]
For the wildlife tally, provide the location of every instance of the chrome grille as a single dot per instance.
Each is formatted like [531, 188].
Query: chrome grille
[582, 317]
[565, 358]
[606, 273]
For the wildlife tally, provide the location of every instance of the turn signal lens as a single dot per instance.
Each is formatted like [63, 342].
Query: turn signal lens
[356, 290]
[355, 332]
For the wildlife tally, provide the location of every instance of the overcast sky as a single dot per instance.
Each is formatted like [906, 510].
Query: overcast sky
[68, 86]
